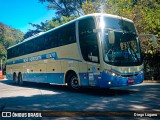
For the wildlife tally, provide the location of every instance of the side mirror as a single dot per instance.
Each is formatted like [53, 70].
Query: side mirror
[111, 37]
[154, 39]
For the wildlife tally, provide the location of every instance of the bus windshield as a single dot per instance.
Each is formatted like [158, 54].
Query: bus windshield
[125, 51]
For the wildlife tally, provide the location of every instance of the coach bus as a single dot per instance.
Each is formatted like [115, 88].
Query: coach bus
[96, 50]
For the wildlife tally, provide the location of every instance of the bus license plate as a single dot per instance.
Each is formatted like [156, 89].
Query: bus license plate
[131, 80]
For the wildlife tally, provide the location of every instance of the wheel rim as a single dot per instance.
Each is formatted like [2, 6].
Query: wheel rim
[74, 82]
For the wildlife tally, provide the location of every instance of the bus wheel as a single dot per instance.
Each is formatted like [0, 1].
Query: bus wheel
[20, 81]
[72, 82]
[15, 79]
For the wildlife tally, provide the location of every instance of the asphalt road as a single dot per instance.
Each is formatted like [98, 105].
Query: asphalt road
[44, 97]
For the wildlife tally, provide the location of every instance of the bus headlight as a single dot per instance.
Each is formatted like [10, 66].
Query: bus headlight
[112, 73]
[141, 72]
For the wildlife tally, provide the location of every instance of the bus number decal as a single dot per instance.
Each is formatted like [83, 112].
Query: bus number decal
[35, 58]
[51, 55]
[25, 60]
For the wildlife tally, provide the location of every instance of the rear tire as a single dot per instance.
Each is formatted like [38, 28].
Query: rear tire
[73, 82]
[20, 80]
[15, 79]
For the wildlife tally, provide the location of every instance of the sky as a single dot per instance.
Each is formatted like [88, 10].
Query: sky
[19, 13]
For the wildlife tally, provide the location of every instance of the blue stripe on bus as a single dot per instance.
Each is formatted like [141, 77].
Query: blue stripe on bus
[41, 77]
[102, 80]
[40, 57]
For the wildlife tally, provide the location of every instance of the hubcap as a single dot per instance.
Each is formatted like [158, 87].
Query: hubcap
[74, 82]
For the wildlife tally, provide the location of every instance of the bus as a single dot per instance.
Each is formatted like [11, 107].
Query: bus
[96, 50]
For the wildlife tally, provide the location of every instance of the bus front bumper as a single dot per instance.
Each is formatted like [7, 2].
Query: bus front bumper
[108, 80]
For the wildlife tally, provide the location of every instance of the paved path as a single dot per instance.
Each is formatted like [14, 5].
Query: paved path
[34, 96]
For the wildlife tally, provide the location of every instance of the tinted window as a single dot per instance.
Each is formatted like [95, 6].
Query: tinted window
[61, 36]
[88, 40]
[29, 47]
[69, 34]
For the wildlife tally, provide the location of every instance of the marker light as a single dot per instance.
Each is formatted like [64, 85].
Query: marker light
[113, 74]
[109, 83]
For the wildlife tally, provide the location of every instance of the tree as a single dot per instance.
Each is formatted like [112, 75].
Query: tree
[65, 7]
[91, 6]
[145, 14]
[8, 37]
[47, 25]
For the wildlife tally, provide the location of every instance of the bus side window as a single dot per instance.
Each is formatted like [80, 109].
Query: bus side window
[70, 34]
[88, 40]
[51, 40]
[66, 35]
[27, 49]
[14, 52]
[40, 43]
[61, 36]
[20, 50]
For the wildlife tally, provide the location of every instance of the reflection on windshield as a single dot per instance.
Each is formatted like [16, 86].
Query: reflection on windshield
[118, 25]
[125, 51]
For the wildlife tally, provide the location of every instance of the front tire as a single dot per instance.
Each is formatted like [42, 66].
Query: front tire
[73, 82]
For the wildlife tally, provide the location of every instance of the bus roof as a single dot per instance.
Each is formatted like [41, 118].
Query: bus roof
[91, 15]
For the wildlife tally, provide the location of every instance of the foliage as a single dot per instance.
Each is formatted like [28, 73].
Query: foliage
[91, 7]
[8, 37]
[65, 7]
[65, 12]
[151, 57]
[145, 14]
[47, 25]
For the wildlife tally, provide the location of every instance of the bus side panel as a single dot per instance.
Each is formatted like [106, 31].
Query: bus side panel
[9, 74]
[34, 71]
[35, 77]
[68, 65]
[54, 72]
[44, 77]
[10, 69]
[83, 74]
[44, 71]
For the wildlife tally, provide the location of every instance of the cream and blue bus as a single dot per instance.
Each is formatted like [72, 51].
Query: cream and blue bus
[96, 50]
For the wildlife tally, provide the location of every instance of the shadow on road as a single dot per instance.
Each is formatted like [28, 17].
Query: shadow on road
[60, 98]
[64, 88]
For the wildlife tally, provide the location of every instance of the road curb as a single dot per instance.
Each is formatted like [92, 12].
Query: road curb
[151, 81]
